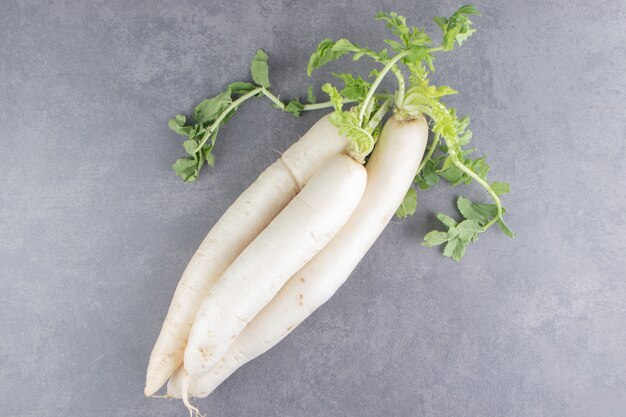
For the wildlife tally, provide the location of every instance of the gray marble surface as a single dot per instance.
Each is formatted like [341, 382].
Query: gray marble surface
[95, 229]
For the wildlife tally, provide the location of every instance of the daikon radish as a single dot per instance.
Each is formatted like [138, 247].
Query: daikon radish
[390, 172]
[304, 227]
[240, 224]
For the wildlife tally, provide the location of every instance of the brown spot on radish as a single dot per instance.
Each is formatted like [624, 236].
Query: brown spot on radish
[302, 279]
[204, 353]
[301, 297]
[290, 328]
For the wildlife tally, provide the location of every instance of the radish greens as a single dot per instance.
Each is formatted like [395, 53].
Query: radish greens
[410, 58]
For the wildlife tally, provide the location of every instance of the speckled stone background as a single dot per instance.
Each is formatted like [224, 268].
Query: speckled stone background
[95, 229]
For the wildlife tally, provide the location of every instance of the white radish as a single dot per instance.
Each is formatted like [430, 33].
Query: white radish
[304, 227]
[390, 171]
[241, 223]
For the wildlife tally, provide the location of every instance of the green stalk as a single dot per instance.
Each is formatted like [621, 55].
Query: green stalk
[380, 113]
[323, 105]
[484, 184]
[377, 82]
[307, 107]
[273, 98]
[221, 117]
[252, 93]
[431, 151]
[390, 66]
[401, 86]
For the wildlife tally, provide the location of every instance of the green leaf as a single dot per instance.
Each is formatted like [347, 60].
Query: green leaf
[361, 139]
[427, 176]
[419, 38]
[469, 230]
[442, 22]
[328, 51]
[408, 205]
[186, 169]
[435, 238]
[417, 53]
[333, 94]
[410, 36]
[458, 237]
[505, 229]
[453, 175]
[443, 90]
[395, 46]
[311, 95]
[209, 109]
[259, 69]
[190, 146]
[179, 119]
[481, 213]
[325, 54]
[500, 187]
[459, 250]
[397, 24]
[430, 62]
[466, 207]
[177, 124]
[479, 166]
[344, 45]
[457, 28]
[207, 151]
[464, 137]
[239, 87]
[446, 220]
[294, 107]
[468, 9]
[451, 246]
[354, 88]
[447, 164]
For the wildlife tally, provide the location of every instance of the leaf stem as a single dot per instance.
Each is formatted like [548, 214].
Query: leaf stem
[380, 113]
[484, 184]
[322, 105]
[252, 93]
[273, 98]
[222, 115]
[431, 151]
[377, 82]
[306, 107]
[390, 66]
[401, 86]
